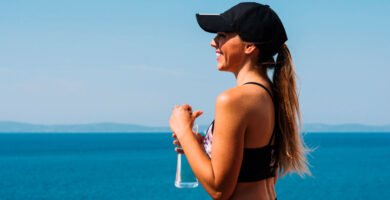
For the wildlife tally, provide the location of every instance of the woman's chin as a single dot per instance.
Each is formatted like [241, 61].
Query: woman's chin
[223, 68]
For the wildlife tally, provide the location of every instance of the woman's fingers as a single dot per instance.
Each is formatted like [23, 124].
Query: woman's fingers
[176, 142]
[200, 138]
[179, 150]
[178, 117]
[187, 107]
[196, 114]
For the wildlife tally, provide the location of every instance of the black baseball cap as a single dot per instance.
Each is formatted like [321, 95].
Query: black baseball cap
[253, 22]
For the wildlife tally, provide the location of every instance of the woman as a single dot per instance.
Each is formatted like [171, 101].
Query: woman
[255, 133]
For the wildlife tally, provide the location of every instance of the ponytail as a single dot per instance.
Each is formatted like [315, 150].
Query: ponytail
[291, 153]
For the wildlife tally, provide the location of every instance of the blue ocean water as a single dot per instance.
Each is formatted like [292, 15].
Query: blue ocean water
[142, 166]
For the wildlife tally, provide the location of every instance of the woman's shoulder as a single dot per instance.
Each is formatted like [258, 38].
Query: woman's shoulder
[231, 106]
[229, 96]
[236, 94]
[243, 99]
[232, 98]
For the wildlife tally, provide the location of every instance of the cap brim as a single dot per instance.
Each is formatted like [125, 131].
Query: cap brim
[213, 23]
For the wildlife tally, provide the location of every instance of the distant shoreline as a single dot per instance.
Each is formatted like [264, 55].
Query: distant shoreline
[168, 132]
[107, 127]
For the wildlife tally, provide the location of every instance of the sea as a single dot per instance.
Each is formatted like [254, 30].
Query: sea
[143, 165]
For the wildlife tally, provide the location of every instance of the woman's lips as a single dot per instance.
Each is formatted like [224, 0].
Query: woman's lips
[218, 54]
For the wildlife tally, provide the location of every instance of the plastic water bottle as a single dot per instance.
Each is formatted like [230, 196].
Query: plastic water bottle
[185, 178]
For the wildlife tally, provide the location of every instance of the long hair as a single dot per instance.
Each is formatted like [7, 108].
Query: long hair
[291, 150]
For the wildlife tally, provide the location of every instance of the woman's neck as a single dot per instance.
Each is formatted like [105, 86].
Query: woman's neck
[251, 73]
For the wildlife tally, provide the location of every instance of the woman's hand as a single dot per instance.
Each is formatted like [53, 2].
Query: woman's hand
[181, 121]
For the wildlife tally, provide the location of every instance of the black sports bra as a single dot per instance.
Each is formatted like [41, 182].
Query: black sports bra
[257, 163]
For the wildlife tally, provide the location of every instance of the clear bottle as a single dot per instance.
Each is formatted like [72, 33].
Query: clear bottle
[185, 178]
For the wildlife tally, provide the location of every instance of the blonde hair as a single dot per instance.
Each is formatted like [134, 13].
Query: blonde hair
[292, 152]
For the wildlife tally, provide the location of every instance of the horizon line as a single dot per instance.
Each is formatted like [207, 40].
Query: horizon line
[137, 124]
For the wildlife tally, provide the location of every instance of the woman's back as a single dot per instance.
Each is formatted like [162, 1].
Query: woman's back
[261, 120]
[258, 135]
[261, 190]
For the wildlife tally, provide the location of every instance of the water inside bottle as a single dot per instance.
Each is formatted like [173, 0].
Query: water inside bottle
[185, 178]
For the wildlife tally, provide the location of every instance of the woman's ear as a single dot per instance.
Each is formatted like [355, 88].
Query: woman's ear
[250, 48]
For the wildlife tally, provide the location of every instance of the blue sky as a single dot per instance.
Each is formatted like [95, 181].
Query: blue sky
[65, 62]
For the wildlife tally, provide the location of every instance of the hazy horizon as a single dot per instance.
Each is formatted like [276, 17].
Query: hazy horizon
[130, 123]
[7, 127]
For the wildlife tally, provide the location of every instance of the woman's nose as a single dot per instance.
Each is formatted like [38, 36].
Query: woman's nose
[214, 42]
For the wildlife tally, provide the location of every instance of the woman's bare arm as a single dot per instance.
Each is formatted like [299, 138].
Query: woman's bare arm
[219, 174]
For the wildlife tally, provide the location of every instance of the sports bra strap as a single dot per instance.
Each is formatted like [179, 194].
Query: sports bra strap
[272, 97]
[272, 138]
[265, 88]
